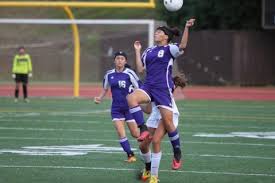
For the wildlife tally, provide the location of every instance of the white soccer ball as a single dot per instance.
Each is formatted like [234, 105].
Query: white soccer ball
[173, 5]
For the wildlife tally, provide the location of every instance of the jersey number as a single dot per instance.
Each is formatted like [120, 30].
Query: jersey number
[161, 53]
[122, 84]
[131, 88]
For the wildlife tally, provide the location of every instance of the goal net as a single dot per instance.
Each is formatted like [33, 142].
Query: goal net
[51, 46]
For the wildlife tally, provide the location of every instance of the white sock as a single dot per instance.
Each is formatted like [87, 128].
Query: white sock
[156, 157]
[146, 157]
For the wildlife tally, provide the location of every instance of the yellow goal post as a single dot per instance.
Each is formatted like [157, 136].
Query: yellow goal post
[66, 5]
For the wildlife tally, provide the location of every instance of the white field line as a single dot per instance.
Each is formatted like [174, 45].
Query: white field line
[212, 116]
[111, 140]
[230, 156]
[64, 130]
[227, 105]
[50, 121]
[130, 169]
[229, 143]
[31, 113]
[52, 129]
[67, 130]
[104, 122]
[61, 129]
[225, 126]
[196, 155]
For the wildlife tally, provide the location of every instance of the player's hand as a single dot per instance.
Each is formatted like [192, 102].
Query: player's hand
[30, 75]
[13, 76]
[190, 22]
[97, 100]
[137, 45]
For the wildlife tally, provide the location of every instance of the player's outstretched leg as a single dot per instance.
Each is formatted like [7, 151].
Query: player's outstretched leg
[174, 137]
[134, 99]
[175, 141]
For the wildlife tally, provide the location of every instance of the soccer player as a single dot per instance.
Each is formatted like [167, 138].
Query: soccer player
[122, 81]
[21, 71]
[158, 85]
[157, 131]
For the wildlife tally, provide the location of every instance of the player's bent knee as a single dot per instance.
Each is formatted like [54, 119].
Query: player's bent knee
[144, 146]
[169, 125]
[132, 100]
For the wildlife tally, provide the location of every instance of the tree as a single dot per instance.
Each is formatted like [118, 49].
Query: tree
[216, 14]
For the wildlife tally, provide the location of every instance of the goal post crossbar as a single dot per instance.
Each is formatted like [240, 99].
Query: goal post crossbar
[75, 21]
[78, 4]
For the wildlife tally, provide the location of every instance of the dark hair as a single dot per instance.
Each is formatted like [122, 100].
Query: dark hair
[21, 47]
[170, 32]
[120, 53]
[180, 80]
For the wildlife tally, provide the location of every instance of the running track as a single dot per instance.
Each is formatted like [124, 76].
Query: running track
[194, 93]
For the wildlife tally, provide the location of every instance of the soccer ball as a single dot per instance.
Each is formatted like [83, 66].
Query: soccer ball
[173, 5]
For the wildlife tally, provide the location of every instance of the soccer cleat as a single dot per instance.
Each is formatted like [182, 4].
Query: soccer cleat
[143, 136]
[176, 164]
[15, 100]
[154, 179]
[27, 100]
[131, 159]
[145, 175]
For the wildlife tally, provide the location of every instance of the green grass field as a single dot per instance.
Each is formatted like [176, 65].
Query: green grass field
[34, 136]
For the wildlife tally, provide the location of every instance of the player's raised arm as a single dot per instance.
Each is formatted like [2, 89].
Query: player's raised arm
[184, 40]
[139, 65]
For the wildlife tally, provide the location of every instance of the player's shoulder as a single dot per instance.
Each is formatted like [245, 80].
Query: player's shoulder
[175, 49]
[173, 45]
[128, 70]
[131, 72]
[150, 48]
[109, 72]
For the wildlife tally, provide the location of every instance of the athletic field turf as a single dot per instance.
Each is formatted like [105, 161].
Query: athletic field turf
[58, 140]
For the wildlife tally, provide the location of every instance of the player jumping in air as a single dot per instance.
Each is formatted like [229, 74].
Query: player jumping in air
[122, 81]
[158, 85]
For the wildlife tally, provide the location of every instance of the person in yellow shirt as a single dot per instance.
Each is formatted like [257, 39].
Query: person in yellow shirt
[21, 71]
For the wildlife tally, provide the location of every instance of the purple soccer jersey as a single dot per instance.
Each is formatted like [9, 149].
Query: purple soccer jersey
[121, 84]
[158, 62]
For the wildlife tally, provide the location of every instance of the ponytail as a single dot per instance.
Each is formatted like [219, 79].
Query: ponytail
[180, 80]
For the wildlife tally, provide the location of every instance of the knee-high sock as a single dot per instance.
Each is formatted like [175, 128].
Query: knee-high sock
[147, 160]
[156, 157]
[175, 141]
[16, 93]
[126, 145]
[138, 115]
[25, 91]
